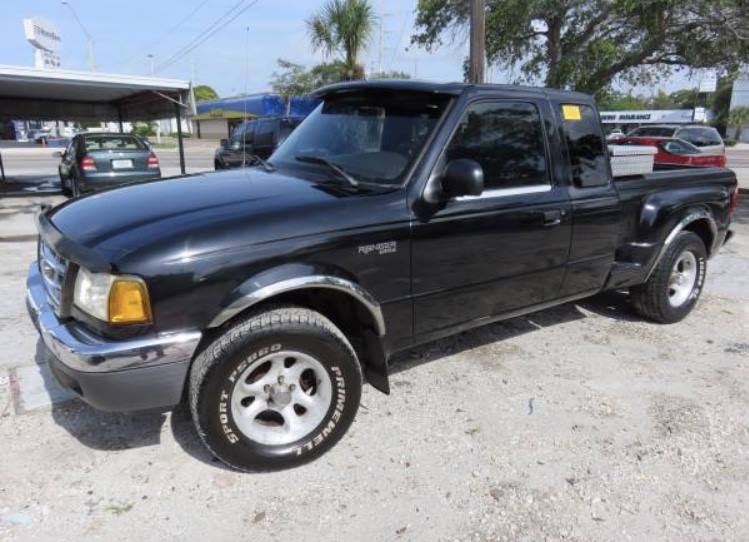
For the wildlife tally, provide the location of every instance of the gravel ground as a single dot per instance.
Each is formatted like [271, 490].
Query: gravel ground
[581, 422]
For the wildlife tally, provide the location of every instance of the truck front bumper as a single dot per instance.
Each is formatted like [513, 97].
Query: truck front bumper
[143, 373]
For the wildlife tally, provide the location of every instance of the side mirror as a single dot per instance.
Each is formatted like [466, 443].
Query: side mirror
[58, 154]
[463, 177]
[223, 143]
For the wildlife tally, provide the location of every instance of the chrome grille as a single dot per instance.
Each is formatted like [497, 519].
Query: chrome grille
[52, 267]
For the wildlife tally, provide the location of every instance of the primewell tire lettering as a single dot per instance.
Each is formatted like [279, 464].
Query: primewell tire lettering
[334, 418]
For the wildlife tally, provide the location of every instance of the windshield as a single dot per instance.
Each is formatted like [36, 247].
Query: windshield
[372, 138]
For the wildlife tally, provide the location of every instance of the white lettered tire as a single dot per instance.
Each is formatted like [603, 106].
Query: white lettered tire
[276, 390]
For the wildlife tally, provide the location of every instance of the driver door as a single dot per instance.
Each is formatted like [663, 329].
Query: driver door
[479, 257]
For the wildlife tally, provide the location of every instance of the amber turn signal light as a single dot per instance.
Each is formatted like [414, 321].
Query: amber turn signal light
[128, 302]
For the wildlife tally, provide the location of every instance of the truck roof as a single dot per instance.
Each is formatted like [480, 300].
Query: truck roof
[454, 88]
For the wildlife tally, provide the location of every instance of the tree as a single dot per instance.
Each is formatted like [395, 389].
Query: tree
[343, 27]
[144, 129]
[738, 118]
[203, 93]
[295, 80]
[618, 101]
[587, 44]
[389, 74]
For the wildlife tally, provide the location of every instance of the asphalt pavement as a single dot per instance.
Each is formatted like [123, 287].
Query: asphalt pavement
[40, 164]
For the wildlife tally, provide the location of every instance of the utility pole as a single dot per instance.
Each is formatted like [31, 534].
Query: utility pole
[89, 38]
[478, 42]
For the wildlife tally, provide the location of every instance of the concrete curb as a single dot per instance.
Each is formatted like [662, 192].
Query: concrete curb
[22, 194]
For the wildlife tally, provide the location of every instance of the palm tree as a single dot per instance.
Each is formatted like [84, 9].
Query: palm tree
[343, 27]
[738, 118]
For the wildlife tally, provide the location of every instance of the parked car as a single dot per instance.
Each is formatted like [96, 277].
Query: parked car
[252, 139]
[96, 160]
[706, 138]
[40, 135]
[673, 152]
[615, 135]
[397, 213]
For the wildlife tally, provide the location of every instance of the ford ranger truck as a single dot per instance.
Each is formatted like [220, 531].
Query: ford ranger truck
[397, 213]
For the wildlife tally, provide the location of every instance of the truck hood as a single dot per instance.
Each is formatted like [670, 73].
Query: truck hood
[207, 212]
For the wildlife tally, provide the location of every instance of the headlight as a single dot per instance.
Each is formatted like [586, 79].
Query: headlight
[116, 299]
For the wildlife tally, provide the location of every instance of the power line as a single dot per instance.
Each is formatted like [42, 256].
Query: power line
[232, 13]
[151, 46]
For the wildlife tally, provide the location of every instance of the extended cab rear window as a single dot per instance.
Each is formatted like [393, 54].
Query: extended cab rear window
[585, 144]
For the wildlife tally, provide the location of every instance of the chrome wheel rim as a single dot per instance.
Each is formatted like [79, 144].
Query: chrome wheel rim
[683, 278]
[281, 397]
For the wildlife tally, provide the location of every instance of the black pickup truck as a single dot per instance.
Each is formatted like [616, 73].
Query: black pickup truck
[396, 213]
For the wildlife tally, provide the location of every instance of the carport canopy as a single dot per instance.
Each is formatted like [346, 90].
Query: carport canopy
[39, 94]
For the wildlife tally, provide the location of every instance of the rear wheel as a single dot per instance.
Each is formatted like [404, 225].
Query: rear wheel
[64, 186]
[75, 189]
[675, 285]
[276, 390]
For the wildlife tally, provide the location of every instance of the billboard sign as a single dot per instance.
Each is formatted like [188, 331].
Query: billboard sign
[663, 116]
[42, 34]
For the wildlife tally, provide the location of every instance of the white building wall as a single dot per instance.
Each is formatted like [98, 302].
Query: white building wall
[740, 98]
[212, 128]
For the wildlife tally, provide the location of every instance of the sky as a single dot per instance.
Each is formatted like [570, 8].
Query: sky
[239, 58]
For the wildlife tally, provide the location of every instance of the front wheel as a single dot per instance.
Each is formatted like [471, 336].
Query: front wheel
[276, 390]
[675, 285]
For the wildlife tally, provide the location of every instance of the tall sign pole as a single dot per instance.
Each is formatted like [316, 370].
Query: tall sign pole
[478, 42]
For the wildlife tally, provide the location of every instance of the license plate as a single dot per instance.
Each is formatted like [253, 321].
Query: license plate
[122, 164]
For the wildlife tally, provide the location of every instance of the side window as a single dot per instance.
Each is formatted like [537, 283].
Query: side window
[249, 133]
[587, 149]
[237, 134]
[264, 133]
[287, 126]
[507, 139]
[674, 147]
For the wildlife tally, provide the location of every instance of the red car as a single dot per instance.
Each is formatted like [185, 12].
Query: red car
[676, 152]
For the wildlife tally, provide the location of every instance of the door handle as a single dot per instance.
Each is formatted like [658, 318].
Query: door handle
[552, 218]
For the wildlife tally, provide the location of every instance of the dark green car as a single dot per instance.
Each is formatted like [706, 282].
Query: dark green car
[94, 161]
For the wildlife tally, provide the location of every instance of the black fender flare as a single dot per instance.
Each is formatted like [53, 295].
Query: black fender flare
[294, 277]
[689, 217]
[286, 278]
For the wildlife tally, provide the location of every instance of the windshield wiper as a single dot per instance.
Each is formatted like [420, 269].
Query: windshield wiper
[330, 165]
[267, 166]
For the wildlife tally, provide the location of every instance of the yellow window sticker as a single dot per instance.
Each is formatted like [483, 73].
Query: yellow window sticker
[571, 112]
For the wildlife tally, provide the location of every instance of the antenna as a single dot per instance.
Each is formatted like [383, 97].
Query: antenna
[246, 82]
